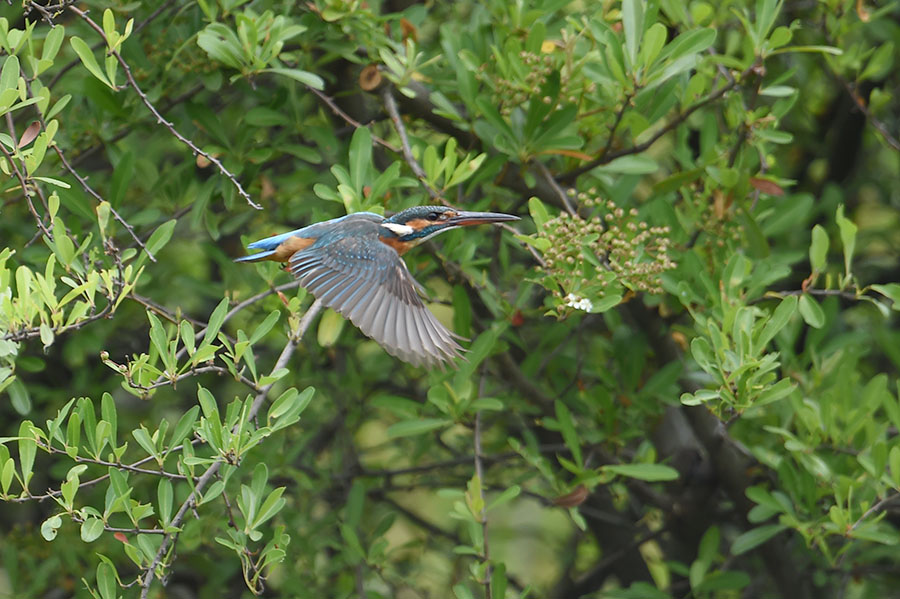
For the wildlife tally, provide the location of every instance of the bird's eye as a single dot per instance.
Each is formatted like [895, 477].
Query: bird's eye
[434, 216]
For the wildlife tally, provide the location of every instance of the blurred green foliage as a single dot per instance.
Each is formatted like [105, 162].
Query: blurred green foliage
[682, 376]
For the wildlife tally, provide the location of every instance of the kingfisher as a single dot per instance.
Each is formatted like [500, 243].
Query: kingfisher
[353, 265]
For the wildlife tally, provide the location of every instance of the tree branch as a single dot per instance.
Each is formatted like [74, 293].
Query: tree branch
[161, 120]
[390, 105]
[607, 157]
[213, 470]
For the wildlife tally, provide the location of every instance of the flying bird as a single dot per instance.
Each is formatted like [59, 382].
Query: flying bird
[353, 265]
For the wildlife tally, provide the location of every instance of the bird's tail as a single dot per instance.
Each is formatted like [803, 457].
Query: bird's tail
[255, 257]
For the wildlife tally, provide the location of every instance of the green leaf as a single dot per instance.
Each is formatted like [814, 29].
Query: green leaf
[86, 55]
[890, 291]
[766, 11]
[880, 64]
[811, 311]
[184, 427]
[330, 326]
[652, 44]
[91, 529]
[409, 428]
[265, 326]
[461, 591]
[106, 580]
[142, 436]
[304, 77]
[755, 537]
[215, 321]
[27, 451]
[647, 472]
[777, 391]
[108, 413]
[9, 75]
[539, 213]
[19, 397]
[818, 249]
[505, 497]
[848, 237]
[271, 506]
[780, 317]
[360, 158]
[636, 164]
[810, 49]
[50, 526]
[894, 461]
[161, 236]
[690, 42]
[633, 24]
[498, 581]
[165, 496]
[567, 428]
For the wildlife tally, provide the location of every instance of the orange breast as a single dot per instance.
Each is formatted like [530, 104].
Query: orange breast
[399, 246]
[290, 246]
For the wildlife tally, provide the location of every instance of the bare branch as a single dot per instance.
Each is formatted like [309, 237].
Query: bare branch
[479, 472]
[563, 196]
[390, 105]
[161, 120]
[349, 119]
[860, 103]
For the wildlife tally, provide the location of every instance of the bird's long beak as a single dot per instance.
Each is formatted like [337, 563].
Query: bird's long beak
[464, 219]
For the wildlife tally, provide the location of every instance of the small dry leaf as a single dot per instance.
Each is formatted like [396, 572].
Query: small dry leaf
[766, 186]
[370, 78]
[576, 497]
[409, 30]
[679, 338]
[30, 134]
[862, 12]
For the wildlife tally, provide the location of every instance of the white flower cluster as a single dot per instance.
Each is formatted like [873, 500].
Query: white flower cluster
[579, 303]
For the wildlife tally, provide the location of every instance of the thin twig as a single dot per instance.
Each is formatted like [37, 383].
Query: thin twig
[213, 470]
[88, 483]
[118, 466]
[25, 191]
[626, 102]
[83, 181]
[220, 370]
[606, 158]
[892, 141]
[349, 119]
[390, 105]
[479, 472]
[563, 196]
[160, 119]
[127, 129]
[875, 509]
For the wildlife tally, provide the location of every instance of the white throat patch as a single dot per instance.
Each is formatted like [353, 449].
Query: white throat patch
[399, 230]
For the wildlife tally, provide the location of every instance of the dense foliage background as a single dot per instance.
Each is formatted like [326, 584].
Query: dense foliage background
[682, 379]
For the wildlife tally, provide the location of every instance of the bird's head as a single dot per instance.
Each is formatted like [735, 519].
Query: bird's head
[414, 225]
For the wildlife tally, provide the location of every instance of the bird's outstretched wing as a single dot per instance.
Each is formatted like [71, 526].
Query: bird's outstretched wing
[367, 282]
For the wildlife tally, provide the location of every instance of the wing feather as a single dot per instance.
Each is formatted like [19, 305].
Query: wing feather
[366, 281]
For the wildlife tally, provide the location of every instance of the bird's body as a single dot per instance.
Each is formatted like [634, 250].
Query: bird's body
[353, 265]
